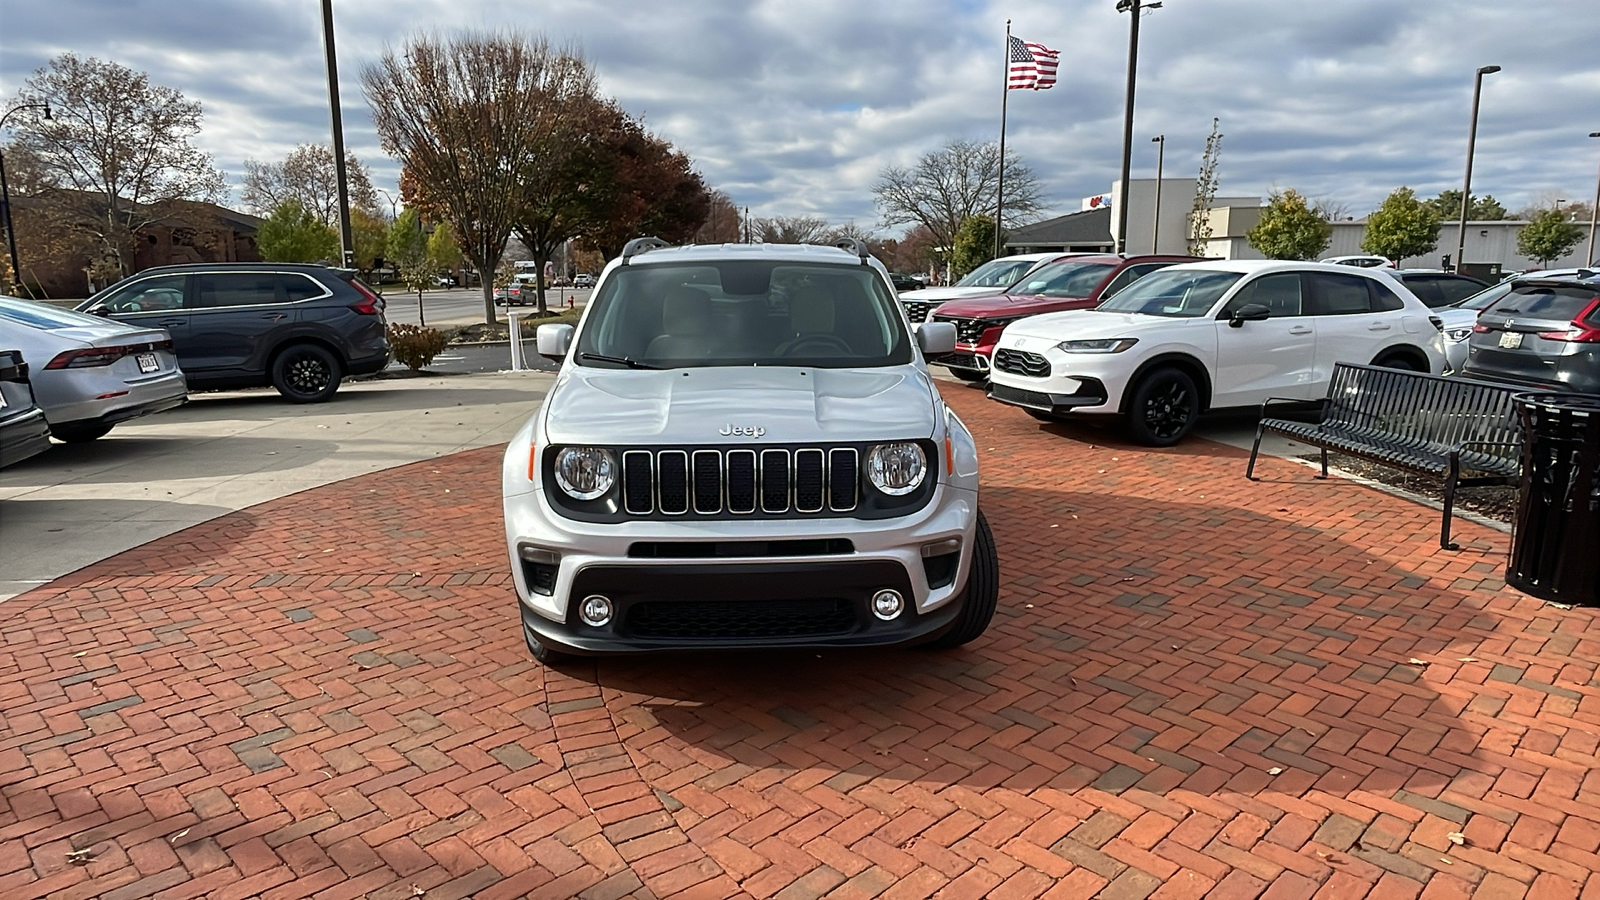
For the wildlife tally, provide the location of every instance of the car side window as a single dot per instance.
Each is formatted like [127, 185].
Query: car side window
[161, 292]
[1340, 295]
[1427, 290]
[224, 289]
[297, 287]
[1457, 289]
[1281, 293]
[1129, 276]
[1386, 300]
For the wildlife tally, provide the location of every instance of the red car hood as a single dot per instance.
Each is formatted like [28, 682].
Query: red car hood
[1007, 305]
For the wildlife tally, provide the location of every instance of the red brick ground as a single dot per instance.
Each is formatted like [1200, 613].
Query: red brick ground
[328, 695]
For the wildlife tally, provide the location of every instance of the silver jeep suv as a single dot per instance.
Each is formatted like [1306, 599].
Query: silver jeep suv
[743, 448]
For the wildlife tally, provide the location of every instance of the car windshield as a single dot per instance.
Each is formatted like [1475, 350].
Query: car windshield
[39, 315]
[1543, 301]
[997, 273]
[743, 313]
[1063, 279]
[1175, 292]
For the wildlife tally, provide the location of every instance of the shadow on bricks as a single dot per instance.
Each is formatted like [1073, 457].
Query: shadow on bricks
[1194, 684]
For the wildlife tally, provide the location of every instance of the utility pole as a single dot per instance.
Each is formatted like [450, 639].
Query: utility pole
[1160, 141]
[1594, 212]
[345, 239]
[1466, 183]
[1133, 8]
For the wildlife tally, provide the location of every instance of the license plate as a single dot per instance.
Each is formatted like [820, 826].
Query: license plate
[148, 363]
[1511, 340]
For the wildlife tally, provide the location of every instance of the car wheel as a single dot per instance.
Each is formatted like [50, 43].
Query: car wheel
[1396, 361]
[969, 374]
[1163, 408]
[305, 373]
[78, 434]
[981, 596]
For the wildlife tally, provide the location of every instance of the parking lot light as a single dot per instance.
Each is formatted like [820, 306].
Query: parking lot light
[1466, 183]
[1594, 209]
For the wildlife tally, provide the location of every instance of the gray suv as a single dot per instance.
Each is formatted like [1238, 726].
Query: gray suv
[300, 328]
[1544, 333]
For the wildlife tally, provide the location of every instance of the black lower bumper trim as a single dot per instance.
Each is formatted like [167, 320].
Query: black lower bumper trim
[1090, 393]
[23, 436]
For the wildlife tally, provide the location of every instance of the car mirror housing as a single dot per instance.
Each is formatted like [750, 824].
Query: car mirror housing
[1250, 312]
[936, 337]
[553, 341]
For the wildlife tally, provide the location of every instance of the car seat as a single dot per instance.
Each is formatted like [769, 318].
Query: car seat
[686, 326]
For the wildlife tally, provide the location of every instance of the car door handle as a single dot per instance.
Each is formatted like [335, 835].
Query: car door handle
[274, 317]
[1300, 329]
[171, 323]
[1378, 326]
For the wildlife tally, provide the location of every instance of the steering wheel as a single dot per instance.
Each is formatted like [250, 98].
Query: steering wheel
[818, 341]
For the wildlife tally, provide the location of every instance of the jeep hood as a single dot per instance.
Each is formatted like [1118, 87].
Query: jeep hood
[706, 405]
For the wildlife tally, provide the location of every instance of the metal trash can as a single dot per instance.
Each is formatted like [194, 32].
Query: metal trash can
[1555, 549]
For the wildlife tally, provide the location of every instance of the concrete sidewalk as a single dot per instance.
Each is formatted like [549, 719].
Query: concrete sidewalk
[80, 503]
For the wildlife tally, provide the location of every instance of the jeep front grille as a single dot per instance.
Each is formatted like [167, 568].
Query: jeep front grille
[1021, 362]
[742, 482]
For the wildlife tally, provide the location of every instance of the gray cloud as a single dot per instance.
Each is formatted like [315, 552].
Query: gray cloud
[794, 107]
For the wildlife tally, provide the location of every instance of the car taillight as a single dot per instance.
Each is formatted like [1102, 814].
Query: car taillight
[1479, 329]
[1585, 328]
[89, 357]
[371, 304]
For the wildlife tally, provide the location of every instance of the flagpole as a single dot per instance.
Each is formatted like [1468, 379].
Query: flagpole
[1005, 95]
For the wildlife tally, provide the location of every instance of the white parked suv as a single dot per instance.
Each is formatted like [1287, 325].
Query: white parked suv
[743, 448]
[992, 277]
[1209, 335]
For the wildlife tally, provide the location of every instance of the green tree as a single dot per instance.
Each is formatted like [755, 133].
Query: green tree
[369, 233]
[1290, 228]
[1548, 236]
[406, 244]
[974, 245]
[1483, 209]
[1403, 226]
[444, 253]
[294, 234]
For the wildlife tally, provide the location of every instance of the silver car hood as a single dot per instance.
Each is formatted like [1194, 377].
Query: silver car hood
[755, 405]
[951, 292]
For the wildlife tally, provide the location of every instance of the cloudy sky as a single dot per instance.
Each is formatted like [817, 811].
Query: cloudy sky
[794, 106]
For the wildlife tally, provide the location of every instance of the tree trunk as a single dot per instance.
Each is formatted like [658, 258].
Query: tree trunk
[541, 257]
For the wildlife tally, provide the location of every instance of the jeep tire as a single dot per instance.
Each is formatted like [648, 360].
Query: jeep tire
[981, 596]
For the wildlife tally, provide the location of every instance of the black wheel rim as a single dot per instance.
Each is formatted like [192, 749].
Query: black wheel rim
[307, 374]
[1166, 409]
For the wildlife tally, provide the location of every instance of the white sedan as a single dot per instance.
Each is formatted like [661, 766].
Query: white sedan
[1211, 335]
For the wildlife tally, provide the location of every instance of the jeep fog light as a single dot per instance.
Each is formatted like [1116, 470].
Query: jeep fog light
[585, 473]
[595, 610]
[887, 604]
[896, 469]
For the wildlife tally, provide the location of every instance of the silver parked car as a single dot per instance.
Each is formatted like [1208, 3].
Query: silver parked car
[90, 373]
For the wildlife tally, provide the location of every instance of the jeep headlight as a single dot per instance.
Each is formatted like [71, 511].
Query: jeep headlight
[585, 473]
[896, 469]
[1103, 345]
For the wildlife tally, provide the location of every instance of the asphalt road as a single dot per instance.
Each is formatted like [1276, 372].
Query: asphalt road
[457, 306]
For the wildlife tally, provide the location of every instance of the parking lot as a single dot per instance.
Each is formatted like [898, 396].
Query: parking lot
[1194, 684]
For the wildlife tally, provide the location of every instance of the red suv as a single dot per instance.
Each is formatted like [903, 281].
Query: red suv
[1071, 282]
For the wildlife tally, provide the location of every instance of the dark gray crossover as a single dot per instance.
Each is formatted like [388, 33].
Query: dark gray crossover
[1543, 333]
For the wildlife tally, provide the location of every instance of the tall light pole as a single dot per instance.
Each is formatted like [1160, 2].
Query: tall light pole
[1594, 211]
[5, 195]
[1133, 7]
[1160, 141]
[1466, 183]
[393, 206]
[345, 239]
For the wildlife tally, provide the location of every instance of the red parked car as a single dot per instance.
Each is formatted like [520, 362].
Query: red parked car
[1072, 282]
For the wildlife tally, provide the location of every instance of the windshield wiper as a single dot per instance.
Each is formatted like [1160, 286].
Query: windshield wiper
[619, 360]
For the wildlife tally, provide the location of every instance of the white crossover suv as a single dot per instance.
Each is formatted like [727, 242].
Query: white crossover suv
[1209, 335]
[743, 448]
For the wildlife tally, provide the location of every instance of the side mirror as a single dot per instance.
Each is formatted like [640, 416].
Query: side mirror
[553, 341]
[936, 337]
[1250, 312]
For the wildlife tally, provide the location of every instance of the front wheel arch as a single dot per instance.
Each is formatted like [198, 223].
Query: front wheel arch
[1194, 368]
[1414, 359]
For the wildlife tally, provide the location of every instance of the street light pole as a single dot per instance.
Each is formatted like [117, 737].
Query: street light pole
[1466, 183]
[1160, 141]
[5, 196]
[1133, 7]
[1594, 211]
[345, 239]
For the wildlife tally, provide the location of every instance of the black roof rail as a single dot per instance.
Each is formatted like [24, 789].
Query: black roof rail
[641, 245]
[854, 245]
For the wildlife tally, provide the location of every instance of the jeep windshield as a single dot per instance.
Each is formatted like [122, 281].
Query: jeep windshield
[743, 313]
[1175, 293]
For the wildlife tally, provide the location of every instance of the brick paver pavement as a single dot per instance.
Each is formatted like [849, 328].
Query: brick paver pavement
[1195, 686]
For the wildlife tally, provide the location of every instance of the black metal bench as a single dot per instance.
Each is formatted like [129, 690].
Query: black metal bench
[1464, 431]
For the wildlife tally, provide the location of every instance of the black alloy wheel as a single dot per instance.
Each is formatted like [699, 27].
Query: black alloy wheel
[306, 373]
[1163, 408]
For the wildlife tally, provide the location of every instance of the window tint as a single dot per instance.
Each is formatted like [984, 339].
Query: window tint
[1545, 302]
[1178, 292]
[39, 315]
[158, 292]
[1279, 293]
[1427, 290]
[1384, 299]
[1340, 295]
[1129, 276]
[236, 289]
[1486, 298]
[297, 287]
[997, 273]
[1063, 280]
[1456, 289]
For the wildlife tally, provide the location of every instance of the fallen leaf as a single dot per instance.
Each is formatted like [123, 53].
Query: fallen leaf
[1275, 770]
[175, 837]
[1469, 659]
[1027, 606]
[1446, 860]
[1555, 605]
[416, 891]
[80, 654]
[1417, 662]
[1357, 845]
[1457, 838]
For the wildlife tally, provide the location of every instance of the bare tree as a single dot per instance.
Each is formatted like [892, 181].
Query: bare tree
[950, 184]
[724, 221]
[308, 175]
[116, 148]
[468, 116]
[1331, 210]
[1205, 191]
[792, 230]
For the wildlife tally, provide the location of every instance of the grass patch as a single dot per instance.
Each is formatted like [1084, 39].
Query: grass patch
[501, 331]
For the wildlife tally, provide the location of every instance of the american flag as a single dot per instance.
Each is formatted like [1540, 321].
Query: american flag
[1032, 65]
